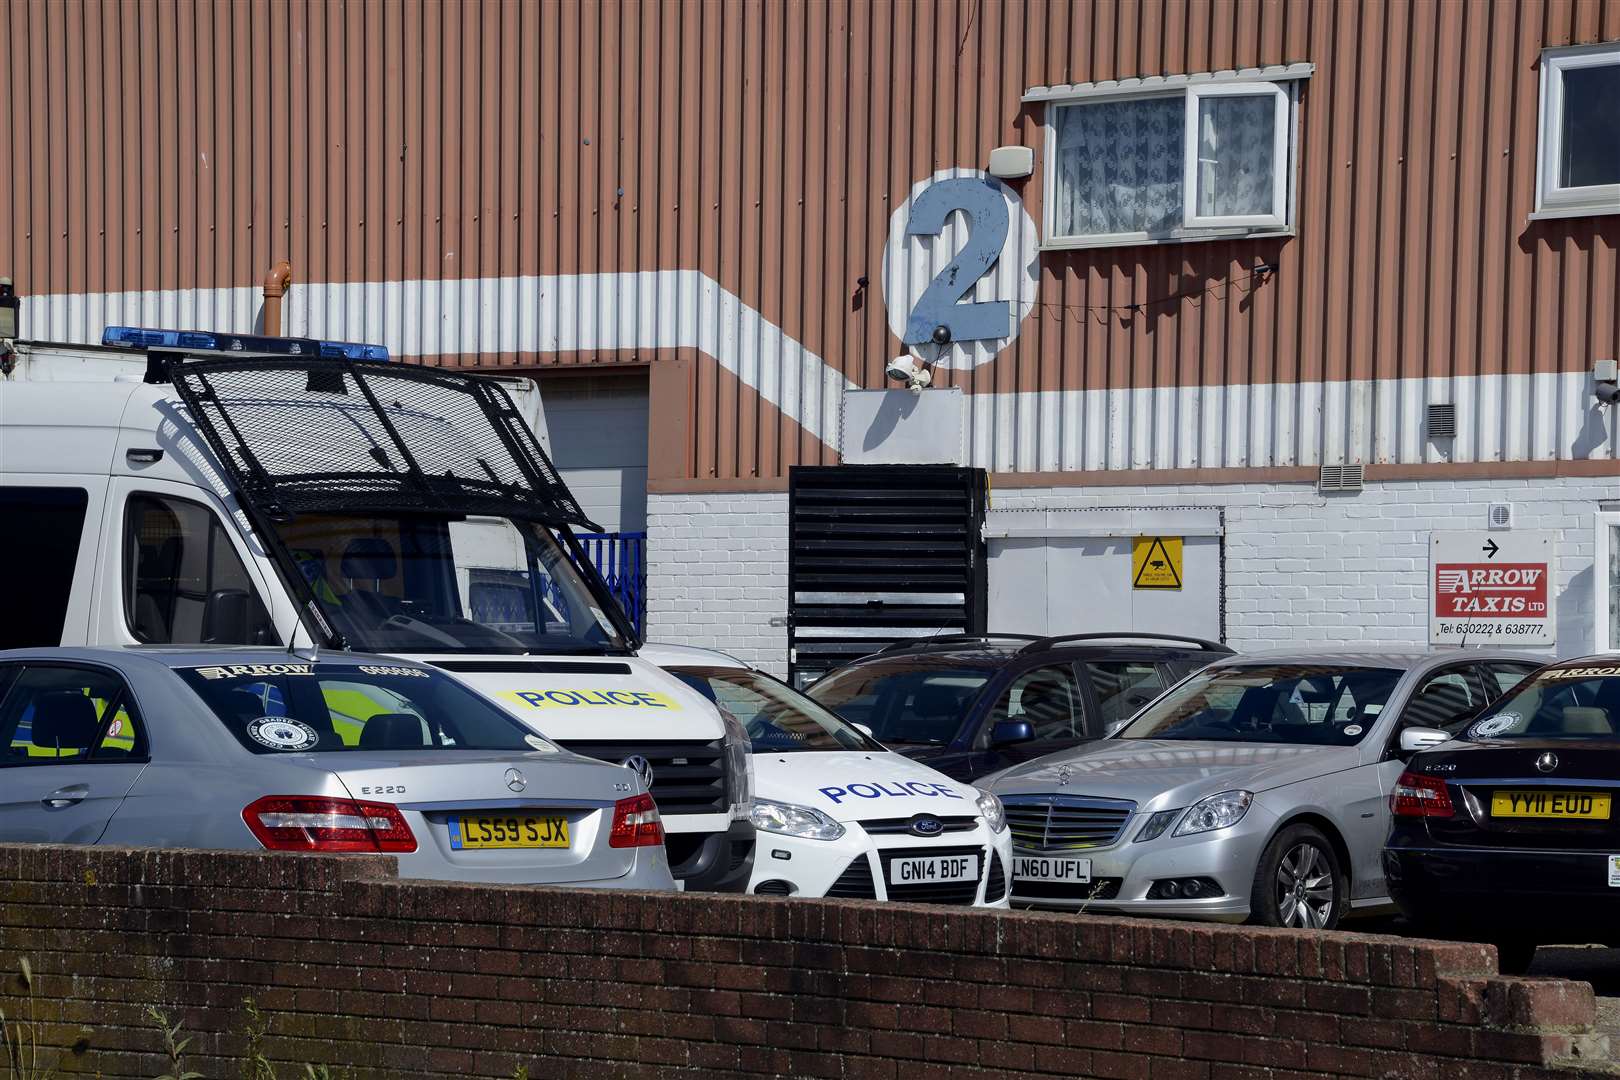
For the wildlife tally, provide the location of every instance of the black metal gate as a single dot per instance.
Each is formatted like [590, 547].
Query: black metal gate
[877, 554]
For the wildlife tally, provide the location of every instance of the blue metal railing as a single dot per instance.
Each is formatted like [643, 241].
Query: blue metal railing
[621, 559]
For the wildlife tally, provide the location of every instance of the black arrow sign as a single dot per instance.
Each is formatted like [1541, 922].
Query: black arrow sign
[1490, 549]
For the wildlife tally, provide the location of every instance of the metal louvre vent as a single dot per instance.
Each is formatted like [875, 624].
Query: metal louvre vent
[1340, 478]
[311, 435]
[879, 554]
[1065, 822]
[688, 777]
[1441, 421]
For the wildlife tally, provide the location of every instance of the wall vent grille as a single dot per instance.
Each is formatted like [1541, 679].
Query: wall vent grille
[1442, 421]
[1340, 478]
[1501, 516]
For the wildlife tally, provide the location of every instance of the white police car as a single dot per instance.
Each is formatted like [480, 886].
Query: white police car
[838, 815]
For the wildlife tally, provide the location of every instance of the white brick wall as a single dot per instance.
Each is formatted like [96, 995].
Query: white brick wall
[1302, 568]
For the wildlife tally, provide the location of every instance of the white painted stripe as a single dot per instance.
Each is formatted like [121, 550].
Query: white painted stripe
[1511, 417]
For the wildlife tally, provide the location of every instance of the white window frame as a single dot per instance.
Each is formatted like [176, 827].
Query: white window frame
[1280, 128]
[1607, 522]
[1285, 188]
[1552, 200]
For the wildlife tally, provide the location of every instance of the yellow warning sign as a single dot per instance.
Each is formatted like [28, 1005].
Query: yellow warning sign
[1156, 562]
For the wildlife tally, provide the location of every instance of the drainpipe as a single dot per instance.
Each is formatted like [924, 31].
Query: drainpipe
[276, 284]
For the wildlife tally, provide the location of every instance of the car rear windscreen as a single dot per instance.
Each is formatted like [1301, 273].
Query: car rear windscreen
[320, 708]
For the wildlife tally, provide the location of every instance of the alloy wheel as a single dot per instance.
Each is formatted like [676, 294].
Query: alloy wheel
[1305, 887]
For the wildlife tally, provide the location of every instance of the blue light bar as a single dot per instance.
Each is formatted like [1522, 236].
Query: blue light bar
[136, 337]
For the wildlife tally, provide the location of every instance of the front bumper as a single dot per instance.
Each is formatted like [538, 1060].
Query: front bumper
[1546, 897]
[1124, 871]
[853, 866]
[712, 861]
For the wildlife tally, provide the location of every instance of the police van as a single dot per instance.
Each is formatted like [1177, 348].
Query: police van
[178, 487]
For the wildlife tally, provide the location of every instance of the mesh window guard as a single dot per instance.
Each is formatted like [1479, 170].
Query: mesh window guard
[309, 435]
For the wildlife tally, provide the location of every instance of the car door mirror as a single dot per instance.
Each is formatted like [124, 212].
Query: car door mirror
[1414, 739]
[1116, 727]
[1006, 732]
[864, 730]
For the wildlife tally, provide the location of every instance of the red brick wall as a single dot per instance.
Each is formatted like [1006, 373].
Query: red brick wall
[355, 968]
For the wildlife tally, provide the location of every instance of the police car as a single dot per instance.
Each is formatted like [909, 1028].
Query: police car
[837, 814]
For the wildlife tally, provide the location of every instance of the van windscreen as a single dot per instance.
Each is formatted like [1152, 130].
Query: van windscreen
[423, 582]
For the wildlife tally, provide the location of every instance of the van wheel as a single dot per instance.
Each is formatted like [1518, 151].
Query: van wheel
[1299, 882]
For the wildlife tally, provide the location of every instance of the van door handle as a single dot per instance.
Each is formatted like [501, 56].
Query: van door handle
[66, 796]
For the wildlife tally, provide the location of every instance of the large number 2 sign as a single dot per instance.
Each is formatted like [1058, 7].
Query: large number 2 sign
[961, 268]
[987, 231]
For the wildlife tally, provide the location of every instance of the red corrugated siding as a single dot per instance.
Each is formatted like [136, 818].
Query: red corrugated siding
[182, 145]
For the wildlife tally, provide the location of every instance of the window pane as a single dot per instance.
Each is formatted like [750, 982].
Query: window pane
[1614, 587]
[55, 713]
[1591, 135]
[1049, 700]
[43, 526]
[1445, 700]
[1123, 687]
[184, 582]
[1119, 166]
[1236, 151]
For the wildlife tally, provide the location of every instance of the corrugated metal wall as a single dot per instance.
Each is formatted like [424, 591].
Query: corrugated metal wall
[464, 177]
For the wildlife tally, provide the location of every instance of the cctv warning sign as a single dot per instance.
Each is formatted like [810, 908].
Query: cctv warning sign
[1492, 587]
[1156, 562]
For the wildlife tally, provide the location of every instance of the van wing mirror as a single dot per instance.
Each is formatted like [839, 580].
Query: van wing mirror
[1006, 732]
[1414, 739]
[228, 618]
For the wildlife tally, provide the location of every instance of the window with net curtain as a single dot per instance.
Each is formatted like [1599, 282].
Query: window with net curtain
[1121, 163]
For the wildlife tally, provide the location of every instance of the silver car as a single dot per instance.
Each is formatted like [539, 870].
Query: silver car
[1256, 789]
[265, 749]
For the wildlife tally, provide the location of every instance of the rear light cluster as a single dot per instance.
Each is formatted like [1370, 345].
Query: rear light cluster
[304, 823]
[636, 823]
[1420, 796]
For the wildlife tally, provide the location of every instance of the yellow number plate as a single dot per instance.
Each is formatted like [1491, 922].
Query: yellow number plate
[508, 831]
[1577, 805]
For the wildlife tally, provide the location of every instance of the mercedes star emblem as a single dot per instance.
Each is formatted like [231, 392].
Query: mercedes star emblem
[641, 767]
[516, 780]
[1547, 762]
[1063, 775]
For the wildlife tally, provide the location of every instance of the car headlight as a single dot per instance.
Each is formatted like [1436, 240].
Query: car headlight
[1216, 812]
[739, 763]
[995, 815]
[791, 820]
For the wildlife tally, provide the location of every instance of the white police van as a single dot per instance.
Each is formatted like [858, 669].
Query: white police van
[177, 487]
[839, 815]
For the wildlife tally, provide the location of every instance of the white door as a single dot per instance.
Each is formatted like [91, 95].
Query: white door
[598, 433]
[1606, 582]
[1070, 573]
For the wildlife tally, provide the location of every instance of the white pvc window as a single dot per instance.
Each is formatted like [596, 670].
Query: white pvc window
[1201, 162]
[1606, 582]
[1578, 164]
[1236, 164]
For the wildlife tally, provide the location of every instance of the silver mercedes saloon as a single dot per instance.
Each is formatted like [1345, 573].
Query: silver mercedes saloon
[1254, 790]
[265, 749]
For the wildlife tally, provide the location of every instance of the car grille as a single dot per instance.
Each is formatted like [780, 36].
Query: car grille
[995, 882]
[1099, 889]
[855, 883]
[950, 892]
[688, 777]
[1065, 822]
[902, 825]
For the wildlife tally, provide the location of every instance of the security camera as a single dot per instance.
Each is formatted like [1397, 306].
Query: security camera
[904, 368]
[1606, 382]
